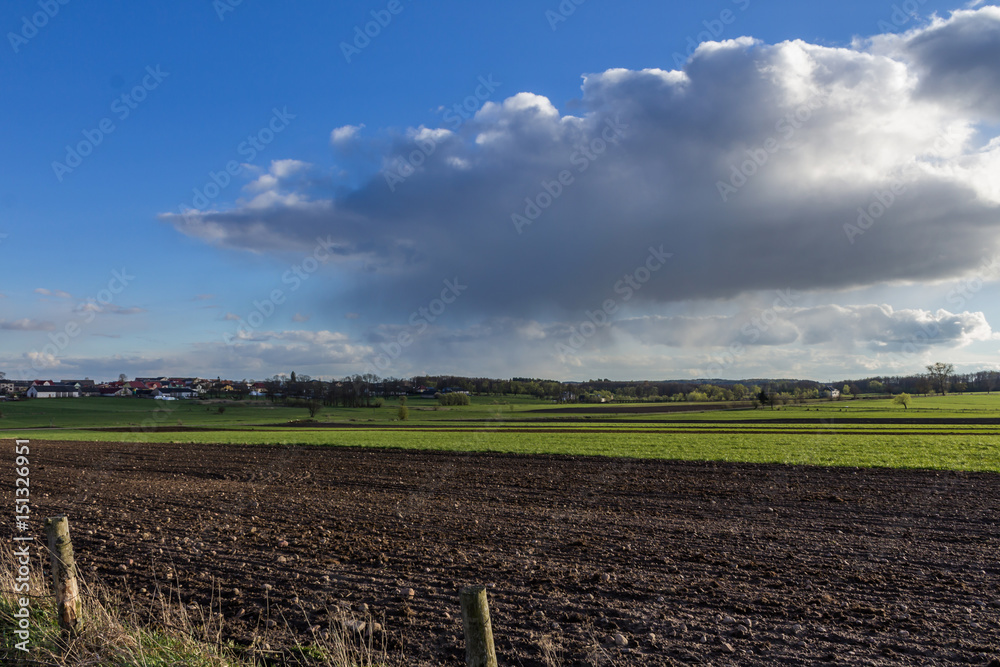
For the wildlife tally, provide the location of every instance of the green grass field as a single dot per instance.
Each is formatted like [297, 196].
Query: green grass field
[834, 435]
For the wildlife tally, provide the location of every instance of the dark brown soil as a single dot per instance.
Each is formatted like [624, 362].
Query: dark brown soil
[689, 563]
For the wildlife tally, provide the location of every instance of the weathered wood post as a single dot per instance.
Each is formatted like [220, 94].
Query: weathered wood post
[479, 649]
[68, 603]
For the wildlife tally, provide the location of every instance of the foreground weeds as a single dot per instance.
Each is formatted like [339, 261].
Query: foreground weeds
[119, 632]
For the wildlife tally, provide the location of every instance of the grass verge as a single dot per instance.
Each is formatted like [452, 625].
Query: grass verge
[117, 633]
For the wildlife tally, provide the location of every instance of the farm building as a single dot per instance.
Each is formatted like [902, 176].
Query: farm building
[54, 391]
[176, 392]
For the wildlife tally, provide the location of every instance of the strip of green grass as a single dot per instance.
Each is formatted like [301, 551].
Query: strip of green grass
[143, 413]
[972, 452]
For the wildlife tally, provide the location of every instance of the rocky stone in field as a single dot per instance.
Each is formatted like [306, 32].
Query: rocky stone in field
[355, 626]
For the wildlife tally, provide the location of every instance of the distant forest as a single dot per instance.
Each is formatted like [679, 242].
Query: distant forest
[371, 390]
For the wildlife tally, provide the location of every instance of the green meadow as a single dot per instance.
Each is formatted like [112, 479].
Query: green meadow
[929, 434]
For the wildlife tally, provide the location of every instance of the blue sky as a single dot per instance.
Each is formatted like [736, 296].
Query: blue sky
[366, 226]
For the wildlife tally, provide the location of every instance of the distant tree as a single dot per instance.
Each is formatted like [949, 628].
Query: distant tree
[403, 413]
[292, 378]
[938, 374]
[453, 399]
[765, 398]
[123, 378]
[846, 391]
[313, 406]
[902, 399]
[876, 387]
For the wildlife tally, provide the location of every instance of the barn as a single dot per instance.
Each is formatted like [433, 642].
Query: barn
[54, 391]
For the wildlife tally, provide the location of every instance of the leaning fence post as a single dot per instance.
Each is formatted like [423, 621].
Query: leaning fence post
[479, 649]
[68, 604]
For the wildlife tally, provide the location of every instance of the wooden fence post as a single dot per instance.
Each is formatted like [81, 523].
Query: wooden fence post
[479, 649]
[68, 603]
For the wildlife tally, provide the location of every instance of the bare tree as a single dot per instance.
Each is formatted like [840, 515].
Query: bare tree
[939, 374]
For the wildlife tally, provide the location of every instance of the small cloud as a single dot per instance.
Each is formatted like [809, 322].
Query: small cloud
[118, 310]
[103, 335]
[26, 324]
[345, 134]
[203, 297]
[299, 317]
[92, 306]
[287, 168]
[352, 316]
[88, 307]
[231, 317]
[56, 293]
[40, 360]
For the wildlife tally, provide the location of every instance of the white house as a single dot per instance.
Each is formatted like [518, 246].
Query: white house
[176, 392]
[54, 391]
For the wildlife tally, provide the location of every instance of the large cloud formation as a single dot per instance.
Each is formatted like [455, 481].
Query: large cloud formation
[757, 166]
[879, 327]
